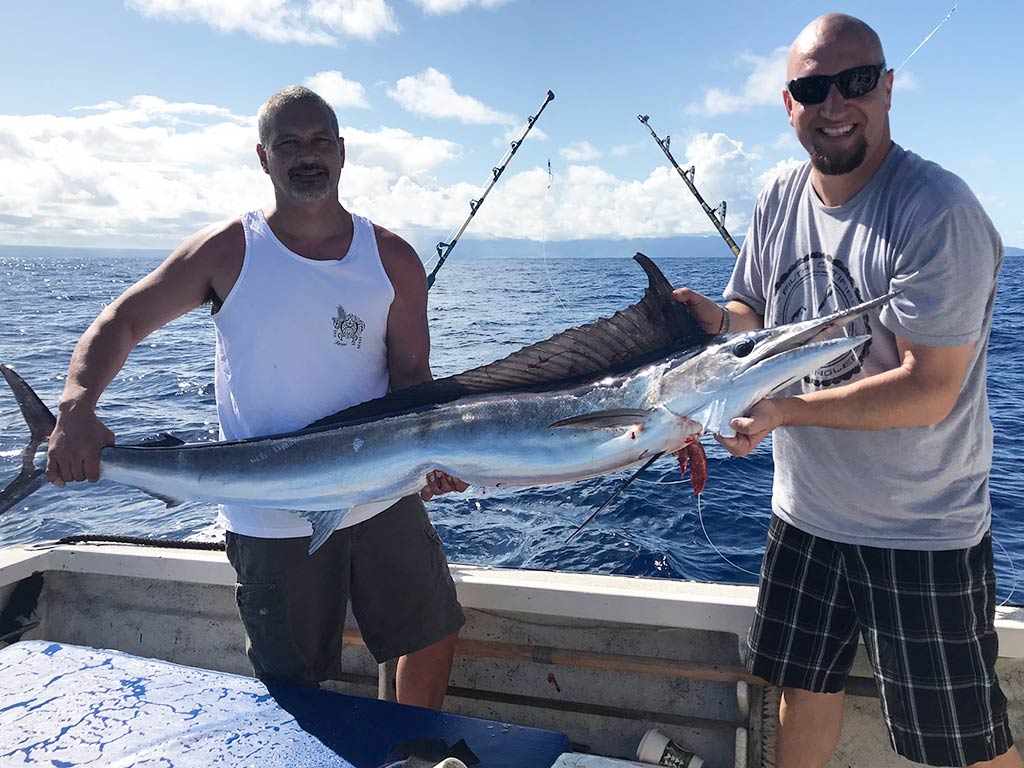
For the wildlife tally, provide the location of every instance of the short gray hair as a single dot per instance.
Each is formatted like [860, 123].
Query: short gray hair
[291, 95]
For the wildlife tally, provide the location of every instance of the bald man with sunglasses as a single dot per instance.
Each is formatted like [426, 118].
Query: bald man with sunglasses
[881, 516]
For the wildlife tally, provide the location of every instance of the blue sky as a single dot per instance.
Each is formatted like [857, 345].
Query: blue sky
[131, 124]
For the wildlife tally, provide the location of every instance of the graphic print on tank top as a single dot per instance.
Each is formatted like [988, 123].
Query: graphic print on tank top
[828, 280]
[348, 329]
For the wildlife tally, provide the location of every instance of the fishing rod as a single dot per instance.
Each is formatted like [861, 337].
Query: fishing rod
[717, 215]
[719, 223]
[444, 249]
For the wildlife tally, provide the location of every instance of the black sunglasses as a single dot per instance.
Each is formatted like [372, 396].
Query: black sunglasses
[850, 82]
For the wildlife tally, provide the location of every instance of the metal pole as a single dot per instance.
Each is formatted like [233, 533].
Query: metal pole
[687, 177]
[445, 249]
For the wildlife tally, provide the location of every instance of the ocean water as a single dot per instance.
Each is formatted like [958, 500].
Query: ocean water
[480, 310]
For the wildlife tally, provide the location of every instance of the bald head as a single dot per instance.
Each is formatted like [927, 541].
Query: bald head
[831, 33]
[837, 97]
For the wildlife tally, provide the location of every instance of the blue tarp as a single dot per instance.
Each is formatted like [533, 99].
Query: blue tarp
[64, 706]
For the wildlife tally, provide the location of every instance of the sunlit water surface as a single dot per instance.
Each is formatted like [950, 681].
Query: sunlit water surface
[480, 310]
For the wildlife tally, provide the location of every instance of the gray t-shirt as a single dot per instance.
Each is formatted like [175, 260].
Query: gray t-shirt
[917, 228]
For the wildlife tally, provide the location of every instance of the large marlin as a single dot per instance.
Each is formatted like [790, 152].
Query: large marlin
[588, 401]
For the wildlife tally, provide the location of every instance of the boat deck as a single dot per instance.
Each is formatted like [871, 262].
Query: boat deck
[75, 706]
[600, 658]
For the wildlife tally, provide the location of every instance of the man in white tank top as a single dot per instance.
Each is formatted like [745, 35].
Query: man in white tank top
[315, 310]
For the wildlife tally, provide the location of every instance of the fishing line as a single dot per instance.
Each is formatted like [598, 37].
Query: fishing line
[1013, 572]
[545, 211]
[611, 498]
[700, 516]
[929, 37]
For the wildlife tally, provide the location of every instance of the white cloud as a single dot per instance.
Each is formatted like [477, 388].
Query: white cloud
[452, 6]
[588, 201]
[786, 141]
[430, 93]
[397, 150]
[781, 167]
[905, 81]
[365, 19]
[512, 134]
[313, 22]
[579, 152]
[762, 87]
[338, 91]
[624, 150]
[148, 172]
[583, 201]
[143, 170]
[146, 106]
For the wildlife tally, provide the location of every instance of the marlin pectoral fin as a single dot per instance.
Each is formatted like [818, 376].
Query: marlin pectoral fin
[324, 524]
[170, 501]
[616, 418]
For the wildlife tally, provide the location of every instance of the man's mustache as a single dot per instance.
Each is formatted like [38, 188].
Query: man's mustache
[306, 168]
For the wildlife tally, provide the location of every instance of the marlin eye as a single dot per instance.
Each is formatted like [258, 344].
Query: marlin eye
[743, 348]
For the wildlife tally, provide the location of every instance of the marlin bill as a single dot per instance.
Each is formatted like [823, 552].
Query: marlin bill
[592, 400]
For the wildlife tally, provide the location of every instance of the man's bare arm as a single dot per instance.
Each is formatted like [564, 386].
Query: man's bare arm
[711, 315]
[408, 338]
[408, 335]
[202, 268]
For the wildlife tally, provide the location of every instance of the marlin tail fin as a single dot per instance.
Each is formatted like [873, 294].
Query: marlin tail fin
[40, 424]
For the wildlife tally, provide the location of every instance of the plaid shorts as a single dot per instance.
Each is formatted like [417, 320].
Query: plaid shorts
[927, 619]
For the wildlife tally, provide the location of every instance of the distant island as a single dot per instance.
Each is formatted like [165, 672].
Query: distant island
[425, 242]
[682, 246]
[701, 246]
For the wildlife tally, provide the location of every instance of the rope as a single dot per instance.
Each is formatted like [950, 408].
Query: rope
[142, 541]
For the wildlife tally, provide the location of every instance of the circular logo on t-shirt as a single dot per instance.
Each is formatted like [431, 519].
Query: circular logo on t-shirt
[815, 286]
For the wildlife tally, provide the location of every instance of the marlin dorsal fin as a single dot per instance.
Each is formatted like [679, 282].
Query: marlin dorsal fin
[653, 327]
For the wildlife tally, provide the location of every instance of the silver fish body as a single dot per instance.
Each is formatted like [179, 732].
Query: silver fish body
[500, 441]
[589, 422]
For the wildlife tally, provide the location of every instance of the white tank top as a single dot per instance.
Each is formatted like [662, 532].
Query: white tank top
[298, 339]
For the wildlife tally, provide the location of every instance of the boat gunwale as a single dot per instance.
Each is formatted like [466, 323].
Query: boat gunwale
[615, 599]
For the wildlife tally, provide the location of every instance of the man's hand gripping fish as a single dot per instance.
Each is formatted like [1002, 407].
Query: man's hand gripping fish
[591, 400]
